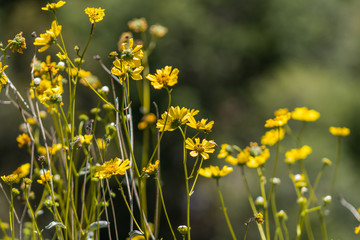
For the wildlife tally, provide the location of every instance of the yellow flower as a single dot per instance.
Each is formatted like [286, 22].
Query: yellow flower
[357, 230]
[138, 25]
[278, 121]
[48, 38]
[52, 94]
[215, 172]
[23, 140]
[3, 77]
[297, 153]
[146, 120]
[31, 121]
[112, 167]
[151, 168]
[22, 171]
[299, 180]
[175, 118]
[259, 218]
[281, 111]
[101, 143]
[85, 139]
[45, 177]
[164, 77]
[123, 71]
[253, 156]
[18, 43]
[200, 148]
[129, 55]
[10, 179]
[305, 114]
[339, 131]
[225, 151]
[95, 14]
[200, 125]
[273, 136]
[55, 148]
[53, 6]
[158, 30]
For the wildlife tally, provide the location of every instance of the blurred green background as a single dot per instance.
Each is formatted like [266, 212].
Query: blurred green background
[239, 61]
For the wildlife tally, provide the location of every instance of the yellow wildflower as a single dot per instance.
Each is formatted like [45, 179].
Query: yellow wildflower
[45, 177]
[53, 6]
[131, 55]
[357, 230]
[278, 121]
[339, 131]
[146, 120]
[48, 38]
[175, 118]
[52, 94]
[158, 30]
[138, 25]
[297, 153]
[3, 77]
[85, 139]
[101, 143]
[215, 172]
[23, 140]
[31, 121]
[164, 77]
[281, 111]
[151, 168]
[95, 14]
[200, 125]
[273, 136]
[253, 156]
[299, 180]
[305, 114]
[22, 171]
[200, 148]
[124, 71]
[55, 148]
[225, 151]
[18, 43]
[259, 218]
[10, 179]
[115, 166]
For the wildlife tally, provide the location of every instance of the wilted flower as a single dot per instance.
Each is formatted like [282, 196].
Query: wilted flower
[138, 25]
[18, 43]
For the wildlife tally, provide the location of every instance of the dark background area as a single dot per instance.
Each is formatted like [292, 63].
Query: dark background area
[239, 61]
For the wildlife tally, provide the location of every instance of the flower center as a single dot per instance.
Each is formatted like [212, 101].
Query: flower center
[163, 78]
[199, 148]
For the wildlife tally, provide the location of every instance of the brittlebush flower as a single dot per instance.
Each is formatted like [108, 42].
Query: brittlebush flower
[175, 118]
[3, 77]
[273, 136]
[53, 6]
[18, 43]
[201, 125]
[138, 25]
[253, 156]
[305, 114]
[215, 172]
[45, 177]
[164, 77]
[339, 131]
[95, 14]
[113, 167]
[123, 71]
[48, 38]
[151, 168]
[131, 55]
[278, 121]
[297, 153]
[23, 139]
[10, 179]
[202, 148]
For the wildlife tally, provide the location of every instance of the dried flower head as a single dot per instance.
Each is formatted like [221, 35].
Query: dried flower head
[18, 43]
[138, 25]
[158, 30]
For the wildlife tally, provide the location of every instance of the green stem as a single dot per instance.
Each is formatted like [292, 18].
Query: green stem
[337, 164]
[263, 193]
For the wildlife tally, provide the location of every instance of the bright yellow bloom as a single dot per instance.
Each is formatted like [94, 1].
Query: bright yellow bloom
[22, 171]
[101, 143]
[357, 230]
[129, 55]
[305, 114]
[3, 77]
[138, 25]
[151, 168]
[31, 121]
[297, 153]
[258, 160]
[273, 136]
[215, 172]
[259, 218]
[23, 140]
[18, 43]
[158, 30]
[164, 77]
[95, 14]
[253, 156]
[53, 6]
[339, 131]
[200, 148]
[112, 167]
[55, 148]
[175, 118]
[146, 120]
[52, 94]
[124, 71]
[226, 150]
[278, 121]
[299, 180]
[200, 125]
[45, 177]
[48, 38]
[10, 179]
[281, 111]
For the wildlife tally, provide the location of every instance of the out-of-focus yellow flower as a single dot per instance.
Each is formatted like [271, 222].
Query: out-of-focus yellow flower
[101, 143]
[299, 180]
[45, 177]
[146, 120]
[138, 25]
[201, 125]
[95, 14]
[22, 171]
[225, 151]
[202, 148]
[151, 168]
[3, 77]
[23, 139]
[55, 148]
[297, 153]
[357, 230]
[253, 156]
[41, 150]
[339, 131]
[164, 77]
[125, 37]
[31, 121]
[48, 38]
[18, 43]
[175, 118]
[115, 166]
[53, 6]
[305, 114]
[259, 218]
[51, 94]
[85, 139]
[273, 136]
[215, 172]
[281, 111]
[158, 30]
[62, 57]
[278, 121]
[10, 179]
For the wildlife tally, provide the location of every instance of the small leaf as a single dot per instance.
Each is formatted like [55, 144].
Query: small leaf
[99, 224]
[55, 224]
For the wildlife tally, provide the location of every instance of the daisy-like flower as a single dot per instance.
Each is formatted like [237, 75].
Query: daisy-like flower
[22, 171]
[113, 167]
[175, 118]
[201, 125]
[52, 94]
[202, 148]
[18, 43]
[253, 156]
[53, 6]
[23, 139]
[339, 131]
[95, 14]
[281, 111]
[3, 77]
[278, 121]
[10, 179]
[158, 30]
[123, 71]
[45, 177]
[48, 38]
[164, 77]
[151, 168]
[273, 136]
[131, 55]
[215, 172]
[305, 114]
[295, 154]
[138, 25]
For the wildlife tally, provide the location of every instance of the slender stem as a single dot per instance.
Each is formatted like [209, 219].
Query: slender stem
[197, 175]
[275, 164]
[337, 164]
[263, 193]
